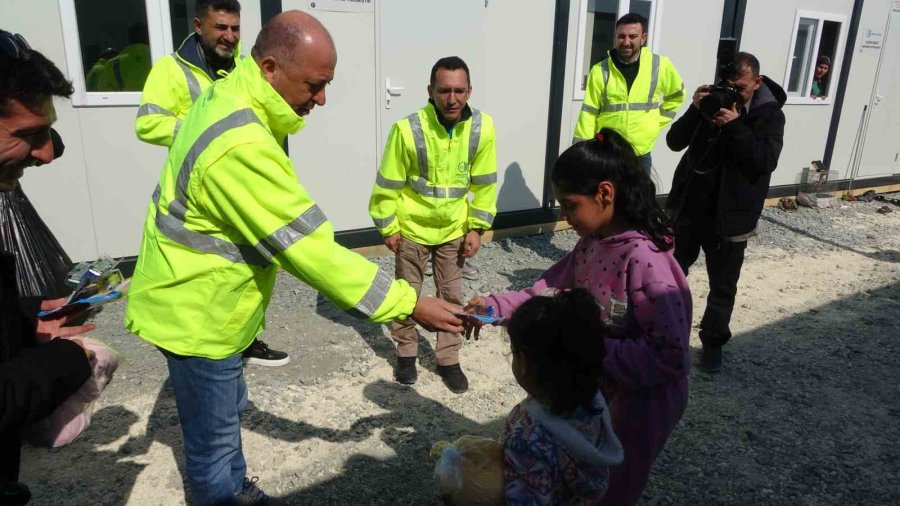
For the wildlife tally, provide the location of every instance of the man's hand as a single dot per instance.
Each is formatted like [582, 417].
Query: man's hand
[725, 115]
[393, 242]
[472, 244]
[476, 305]
[56, 325]
[438, 314]
[701, 92]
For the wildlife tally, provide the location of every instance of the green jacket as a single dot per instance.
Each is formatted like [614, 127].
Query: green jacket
[227, 211]
[638, 114]
[174, 83]
[422, 187]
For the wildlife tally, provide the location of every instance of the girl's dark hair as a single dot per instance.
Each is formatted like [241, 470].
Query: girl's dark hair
[561, 338]
[609, 157]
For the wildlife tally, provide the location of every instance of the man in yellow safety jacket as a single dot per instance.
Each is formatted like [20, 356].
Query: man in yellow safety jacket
[420, 203]
[632, 91]
[177, 80]
[227, 212]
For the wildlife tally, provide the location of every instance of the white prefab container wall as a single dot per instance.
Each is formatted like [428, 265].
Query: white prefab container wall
[96, 196]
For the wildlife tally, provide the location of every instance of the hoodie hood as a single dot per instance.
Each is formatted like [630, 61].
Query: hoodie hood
[769, 92]
[589, 447]
[621, 239]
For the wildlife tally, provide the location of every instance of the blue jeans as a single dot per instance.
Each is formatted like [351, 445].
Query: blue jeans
[646, 163]
[210, 396]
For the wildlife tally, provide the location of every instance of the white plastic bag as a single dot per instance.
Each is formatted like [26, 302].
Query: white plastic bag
[72, 417]
[469, 471]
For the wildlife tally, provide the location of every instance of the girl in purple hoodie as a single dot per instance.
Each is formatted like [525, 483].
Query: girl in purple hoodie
[624, 258]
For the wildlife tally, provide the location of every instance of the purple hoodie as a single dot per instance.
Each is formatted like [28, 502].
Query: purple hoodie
[646, 303]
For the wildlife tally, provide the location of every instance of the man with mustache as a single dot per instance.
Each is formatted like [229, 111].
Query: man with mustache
[633, 91]
[420, 203]
[37, 370]
[176, 80]
[227, 212]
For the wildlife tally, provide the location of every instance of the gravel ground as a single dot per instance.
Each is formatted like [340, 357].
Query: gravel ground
[805, 411]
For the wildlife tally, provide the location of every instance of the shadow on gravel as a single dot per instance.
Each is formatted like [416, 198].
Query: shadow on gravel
[805, 411]
[101, 476]
[413, 423]
[892, 256]
[374, 335]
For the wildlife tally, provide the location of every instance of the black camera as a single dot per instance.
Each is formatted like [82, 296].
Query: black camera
[721, 96]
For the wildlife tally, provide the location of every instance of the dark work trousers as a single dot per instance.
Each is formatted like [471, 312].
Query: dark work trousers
[723, 265]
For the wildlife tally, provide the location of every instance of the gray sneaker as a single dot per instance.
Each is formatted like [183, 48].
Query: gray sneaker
[251, 495]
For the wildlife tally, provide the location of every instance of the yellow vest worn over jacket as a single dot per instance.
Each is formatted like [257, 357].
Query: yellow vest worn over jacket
[125, 72]
[174, 83]
[227, 211]
[640, 114]
[422, 187]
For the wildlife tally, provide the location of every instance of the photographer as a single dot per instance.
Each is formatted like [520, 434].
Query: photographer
[734, 133]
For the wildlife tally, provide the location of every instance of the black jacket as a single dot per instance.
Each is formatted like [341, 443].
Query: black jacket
[745, 151]
[34, 379]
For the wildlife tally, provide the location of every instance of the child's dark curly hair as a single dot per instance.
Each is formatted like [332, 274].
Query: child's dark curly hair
[561, 339]
[585, 165]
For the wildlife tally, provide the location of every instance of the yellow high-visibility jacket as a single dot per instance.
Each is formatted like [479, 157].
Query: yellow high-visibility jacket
[227, 211]
[174, 83]
[640, 114]
[422, 187]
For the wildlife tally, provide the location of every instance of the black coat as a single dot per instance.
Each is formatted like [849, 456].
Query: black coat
[745, 151]
[34, 379]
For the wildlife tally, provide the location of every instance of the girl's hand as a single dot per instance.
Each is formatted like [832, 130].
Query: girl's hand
[477, 305]
[477, 300]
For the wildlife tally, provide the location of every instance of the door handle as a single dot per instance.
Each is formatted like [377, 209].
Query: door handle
[390, 90]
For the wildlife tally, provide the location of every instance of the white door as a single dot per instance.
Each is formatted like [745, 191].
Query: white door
[881, 152]
[413, 35]
[334, 155]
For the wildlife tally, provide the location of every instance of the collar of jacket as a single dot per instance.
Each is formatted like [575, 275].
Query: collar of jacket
[272, 110]
[433, 114]
[645, 53]
[769, 94]
[191, 53]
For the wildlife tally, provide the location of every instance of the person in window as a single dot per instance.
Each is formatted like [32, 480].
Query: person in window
[822, 76]
[176, 80]
[37, 371]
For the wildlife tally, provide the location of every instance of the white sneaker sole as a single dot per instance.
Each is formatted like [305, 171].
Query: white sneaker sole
[266, 363]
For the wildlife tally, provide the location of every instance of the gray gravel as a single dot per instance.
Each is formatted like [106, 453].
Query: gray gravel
[805, 412]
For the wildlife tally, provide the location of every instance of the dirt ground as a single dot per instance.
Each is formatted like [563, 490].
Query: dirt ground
[806, 410]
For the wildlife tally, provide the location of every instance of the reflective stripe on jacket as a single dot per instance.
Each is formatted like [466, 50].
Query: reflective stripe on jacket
[422, 187]
[640, 114]
[172, 86]
[227, 211]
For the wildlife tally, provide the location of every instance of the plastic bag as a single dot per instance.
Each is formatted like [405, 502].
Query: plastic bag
[41, 263]
[469, 471]
[73, 416]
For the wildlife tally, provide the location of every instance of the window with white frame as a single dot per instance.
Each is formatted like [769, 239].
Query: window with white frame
[812, 67]
[112, 44]
[597, 32]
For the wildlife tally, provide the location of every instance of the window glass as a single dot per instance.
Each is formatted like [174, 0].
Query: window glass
[181, 13]
[599, 34]
[803, 55]
[115, 45]
[822, 72]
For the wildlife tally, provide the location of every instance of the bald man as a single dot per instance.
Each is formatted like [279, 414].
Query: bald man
[227, 212]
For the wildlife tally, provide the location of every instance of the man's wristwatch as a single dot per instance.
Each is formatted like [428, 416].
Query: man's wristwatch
[479, 231]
